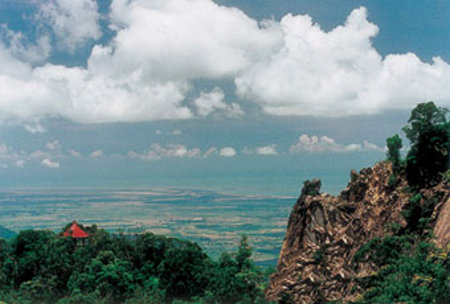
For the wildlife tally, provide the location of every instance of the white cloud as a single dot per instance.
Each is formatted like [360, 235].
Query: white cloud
[210, 152]
[8, 153]
[159, 48]
[49, 163]
[267, 150]
[368, 146]
[175, 132]
[145, 72]
[39, 154]
[97, 154]
[20, 47]
[35, 128]
[156, 152]
[187, 39]
[227, 152]
[264, 150]
[74, 153]
[209, 102]
[9, 156]
[327, 144]
[206, 103]
[54, 145]
[73, 22]
[234, 110]
[340, 73]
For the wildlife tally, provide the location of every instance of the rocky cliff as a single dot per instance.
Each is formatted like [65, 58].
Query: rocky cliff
[324, 232]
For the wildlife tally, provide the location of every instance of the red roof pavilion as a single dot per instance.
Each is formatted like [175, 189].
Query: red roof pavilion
[75, 231]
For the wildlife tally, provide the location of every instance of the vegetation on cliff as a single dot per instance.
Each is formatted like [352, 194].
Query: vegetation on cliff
[412, 270]
[374, 242]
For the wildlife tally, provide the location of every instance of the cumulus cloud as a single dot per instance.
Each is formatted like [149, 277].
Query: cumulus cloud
[206, 103]
[267, 150]
[73, 22]
[145, 72]
[20, 163]
[317, 144]
[211, 152]
[227, 152]
[156, 152]
[188, 39]
[74, 153]
[264, 150]
[22, 48]
[9, 154]
[159, 48]
[340, 73]
[209, 102]
[39, 154]
[46, 162]
[97, 154]
[34, 128]
[54, 145]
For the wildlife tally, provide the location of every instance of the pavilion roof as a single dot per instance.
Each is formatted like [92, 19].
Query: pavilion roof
[75, 231]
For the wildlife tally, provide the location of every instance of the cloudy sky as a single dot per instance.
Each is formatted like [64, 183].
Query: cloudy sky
[232, 95]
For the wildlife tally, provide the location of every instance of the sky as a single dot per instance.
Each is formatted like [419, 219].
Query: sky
[238, 96]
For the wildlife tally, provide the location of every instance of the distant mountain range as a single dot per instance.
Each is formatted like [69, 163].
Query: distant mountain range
[6, 233]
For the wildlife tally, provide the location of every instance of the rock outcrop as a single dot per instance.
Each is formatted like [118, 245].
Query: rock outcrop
[324, 233]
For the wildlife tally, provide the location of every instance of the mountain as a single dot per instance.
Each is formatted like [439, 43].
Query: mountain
[6, 233]
[316, 263]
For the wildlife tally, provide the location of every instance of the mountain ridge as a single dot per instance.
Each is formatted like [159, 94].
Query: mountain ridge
[316, 263]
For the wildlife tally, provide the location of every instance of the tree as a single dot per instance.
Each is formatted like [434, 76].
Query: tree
[408, 272]
[429, 134]
[394, 144]
[244, 253]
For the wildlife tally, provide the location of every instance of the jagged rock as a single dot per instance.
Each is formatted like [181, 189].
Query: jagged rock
[311, 187]
[338, 227]
[441, 216]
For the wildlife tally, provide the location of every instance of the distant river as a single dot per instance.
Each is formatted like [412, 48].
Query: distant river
[214, 220]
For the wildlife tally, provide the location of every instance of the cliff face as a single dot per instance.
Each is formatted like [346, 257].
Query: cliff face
[324, 233]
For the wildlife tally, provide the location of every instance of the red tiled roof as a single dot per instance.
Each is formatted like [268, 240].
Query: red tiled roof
[75, 231]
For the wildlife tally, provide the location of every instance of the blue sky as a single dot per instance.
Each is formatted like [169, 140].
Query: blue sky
[243, 96]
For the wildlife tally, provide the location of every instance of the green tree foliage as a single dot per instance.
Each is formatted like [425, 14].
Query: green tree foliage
[429, 134]
[418, 213]
[411, 271]
[244, 254]
[394, 144]
[44, 267]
